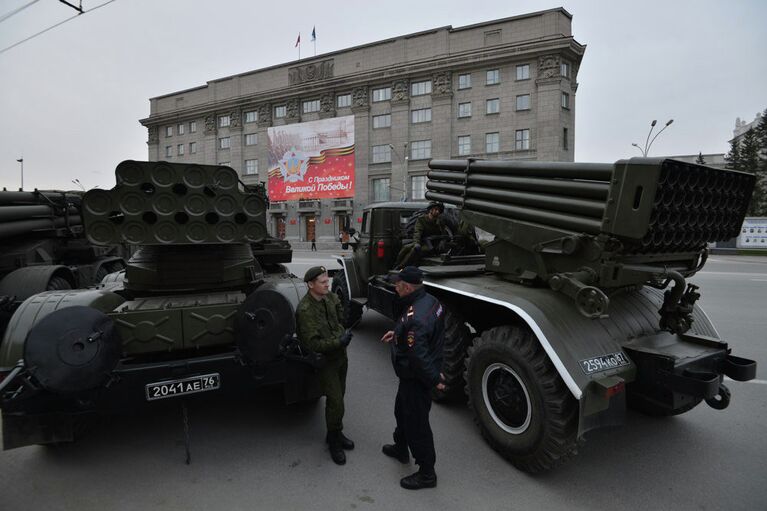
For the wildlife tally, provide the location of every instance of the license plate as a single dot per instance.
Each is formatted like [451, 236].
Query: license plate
[175, 388]
[604, 363]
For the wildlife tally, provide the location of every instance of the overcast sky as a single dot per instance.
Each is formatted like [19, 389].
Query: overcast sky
[70, 99]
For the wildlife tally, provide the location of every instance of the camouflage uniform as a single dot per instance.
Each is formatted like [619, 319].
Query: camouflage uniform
[318, 326]
[425, 227]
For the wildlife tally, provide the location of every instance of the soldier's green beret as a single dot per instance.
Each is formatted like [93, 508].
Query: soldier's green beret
[314, 272]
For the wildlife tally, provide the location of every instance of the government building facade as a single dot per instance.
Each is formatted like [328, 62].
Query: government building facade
[333, 133]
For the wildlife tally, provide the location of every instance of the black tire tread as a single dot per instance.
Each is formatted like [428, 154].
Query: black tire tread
[560, 440]
[57, 284]
[457, 341]
[352, 311]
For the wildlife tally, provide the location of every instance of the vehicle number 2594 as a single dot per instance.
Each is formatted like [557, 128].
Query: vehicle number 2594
[604, 363]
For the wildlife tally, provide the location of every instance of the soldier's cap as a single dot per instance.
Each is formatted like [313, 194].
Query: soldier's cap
[314, 272]
[409, 274]
[438, 205]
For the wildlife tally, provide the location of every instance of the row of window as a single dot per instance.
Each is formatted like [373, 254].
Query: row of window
[421, 149]
[420, 88]
[380, 188]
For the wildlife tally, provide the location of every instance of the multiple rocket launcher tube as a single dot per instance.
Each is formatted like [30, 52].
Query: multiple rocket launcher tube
[652, 204]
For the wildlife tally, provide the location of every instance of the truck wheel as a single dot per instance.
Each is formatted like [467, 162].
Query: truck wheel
[352, 311]
[457, 342]
[58, 283]
[521, 404]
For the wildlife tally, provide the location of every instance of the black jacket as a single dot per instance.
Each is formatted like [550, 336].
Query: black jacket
[419, 337]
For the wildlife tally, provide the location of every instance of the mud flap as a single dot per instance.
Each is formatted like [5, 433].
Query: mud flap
[20, 430]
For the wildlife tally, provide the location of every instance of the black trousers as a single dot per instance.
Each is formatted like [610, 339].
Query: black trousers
[411, 410]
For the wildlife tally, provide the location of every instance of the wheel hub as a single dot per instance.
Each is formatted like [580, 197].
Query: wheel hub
[506, 398]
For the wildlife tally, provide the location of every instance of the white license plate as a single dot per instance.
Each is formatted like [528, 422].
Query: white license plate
[175, 388]
[604, 363]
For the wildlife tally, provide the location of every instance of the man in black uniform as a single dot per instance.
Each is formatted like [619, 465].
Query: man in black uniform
[416, 348]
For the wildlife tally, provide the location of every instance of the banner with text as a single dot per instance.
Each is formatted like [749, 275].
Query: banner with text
[312, 160]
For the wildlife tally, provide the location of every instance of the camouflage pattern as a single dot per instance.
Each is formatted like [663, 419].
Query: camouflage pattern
[424, 228]
[318, 327]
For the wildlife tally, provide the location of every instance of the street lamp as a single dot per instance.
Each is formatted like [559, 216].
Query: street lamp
[404, 169]
[21, 160]
[648, 142]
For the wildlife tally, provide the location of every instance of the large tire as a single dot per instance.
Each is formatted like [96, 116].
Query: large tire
[57, 284]
[521, 404]
[457, 341]
[352, 311]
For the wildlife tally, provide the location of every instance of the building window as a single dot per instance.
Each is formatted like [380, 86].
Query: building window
[251, 139]
[193, 127]
[493, 106]
[180, 129]
[381, 153]
[383, 94]
[168, 151]
[420, 88]
[168, 131]
[224, 143]
[381, 121]
[420, 150]
[464, 81]
[464, 110]
[523, 102]
[565, 143]
[223, 121]
[379, 190]
[522, 140]
[421, 115]
[311, 106]
[492, 142]
[251, 167]
[344, 100]
[251, 116]
[564, 69]
[280, 111]
[493, 77]
[464, 145]
[192, 147]
[523, 72]
[566, 100]
[180, 149]
[418, 187]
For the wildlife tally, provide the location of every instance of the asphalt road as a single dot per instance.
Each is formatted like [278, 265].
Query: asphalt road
[251, 452]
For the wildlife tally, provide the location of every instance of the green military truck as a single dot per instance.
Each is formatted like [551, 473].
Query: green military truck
[579, 305]
[205, 304]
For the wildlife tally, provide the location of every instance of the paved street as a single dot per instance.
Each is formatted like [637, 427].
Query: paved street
[251, 452]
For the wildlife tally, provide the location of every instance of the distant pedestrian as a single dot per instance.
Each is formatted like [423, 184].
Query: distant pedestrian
[314, 244]
[416, 352]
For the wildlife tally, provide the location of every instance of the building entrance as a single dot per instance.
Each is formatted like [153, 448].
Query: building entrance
[279, 227]
[310, 228]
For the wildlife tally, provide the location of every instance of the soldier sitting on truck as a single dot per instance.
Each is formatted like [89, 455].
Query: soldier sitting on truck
[426, 226]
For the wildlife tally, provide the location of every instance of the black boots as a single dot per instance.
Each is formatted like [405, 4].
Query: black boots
[337, 442]
[398, 453]
[419, 480]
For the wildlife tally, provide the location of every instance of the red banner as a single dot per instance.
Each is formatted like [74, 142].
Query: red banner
[329, 175]
[311, 160]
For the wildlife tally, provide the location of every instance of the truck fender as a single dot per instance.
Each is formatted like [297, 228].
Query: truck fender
[534, 327]
[30, 280]
[351, 275]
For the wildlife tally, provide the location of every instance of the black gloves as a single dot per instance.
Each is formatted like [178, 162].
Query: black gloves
[345, 338]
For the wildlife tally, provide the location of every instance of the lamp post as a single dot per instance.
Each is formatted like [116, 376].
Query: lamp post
[648, 142]
[21, 160]
[403, 161]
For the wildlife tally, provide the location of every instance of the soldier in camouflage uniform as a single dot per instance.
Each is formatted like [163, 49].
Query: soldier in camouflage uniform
[426, 226]
[318, 327]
